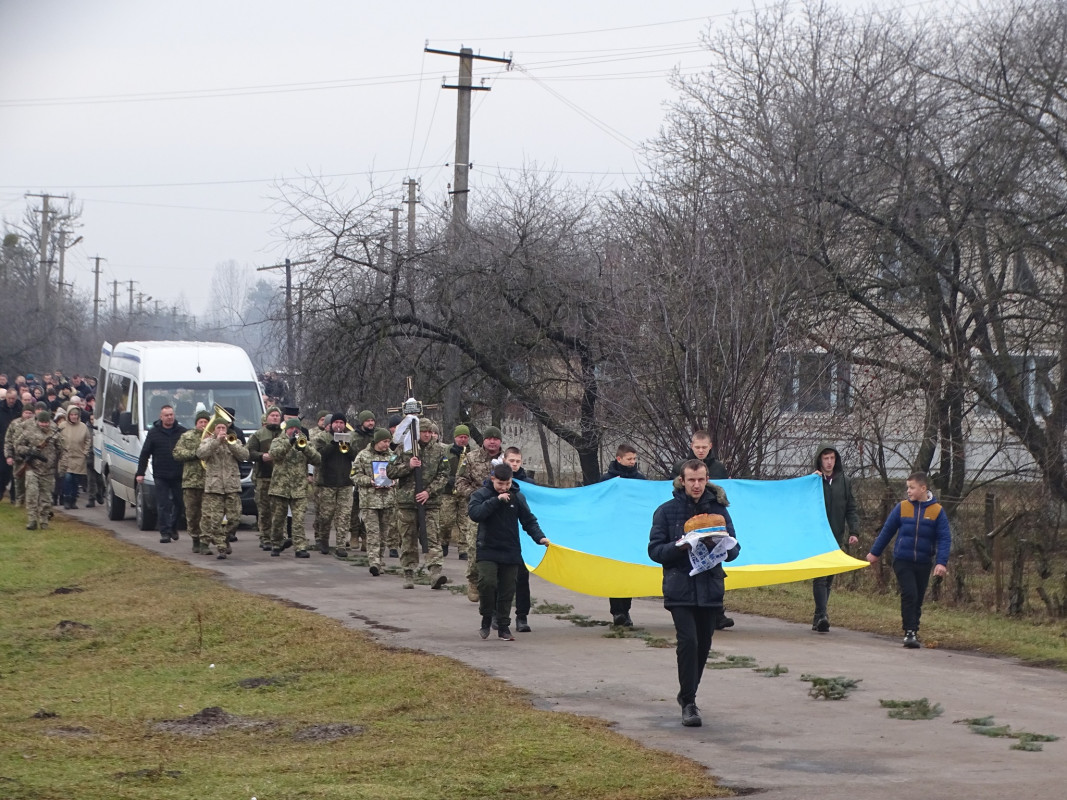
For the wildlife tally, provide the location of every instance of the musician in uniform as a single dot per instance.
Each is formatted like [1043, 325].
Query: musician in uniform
[222, 454]
[291, 454]
[333, 486]
[262, 469]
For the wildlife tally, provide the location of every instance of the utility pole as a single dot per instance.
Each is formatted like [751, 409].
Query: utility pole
[131, 298]
[290, 360]
[46, 234]
[463, 126]
[114, 300]
[96, 297]
[396, 237]
[300, 323]
[411, 201]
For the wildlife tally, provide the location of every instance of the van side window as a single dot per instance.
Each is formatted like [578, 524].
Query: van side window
[118, 389]
[135, 406]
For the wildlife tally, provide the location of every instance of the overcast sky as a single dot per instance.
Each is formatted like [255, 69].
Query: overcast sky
[172, 121]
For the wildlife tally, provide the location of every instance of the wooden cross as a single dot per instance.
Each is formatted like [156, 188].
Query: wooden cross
[418, 408]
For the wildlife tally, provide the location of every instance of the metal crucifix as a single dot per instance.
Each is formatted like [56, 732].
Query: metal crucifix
[416, 408]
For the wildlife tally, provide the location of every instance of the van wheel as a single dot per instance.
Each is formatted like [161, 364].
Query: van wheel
[146, 517]
[116, 508]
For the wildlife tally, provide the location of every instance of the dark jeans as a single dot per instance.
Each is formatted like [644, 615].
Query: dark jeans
[820, 590]
[522, 592]
[496, 590]
[71, 481]
[913, 579]
[169, 503]
[693, 627]
[620, 605]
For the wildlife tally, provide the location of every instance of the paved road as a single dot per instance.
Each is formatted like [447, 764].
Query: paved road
[759, 732]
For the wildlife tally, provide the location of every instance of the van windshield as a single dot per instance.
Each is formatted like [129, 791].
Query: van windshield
[242, 396]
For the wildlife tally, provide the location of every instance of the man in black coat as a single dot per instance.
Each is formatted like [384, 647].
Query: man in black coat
[695, 601]
[498, 509]
[624, 466]
[166, 472]
[10, 410]
[840, 511]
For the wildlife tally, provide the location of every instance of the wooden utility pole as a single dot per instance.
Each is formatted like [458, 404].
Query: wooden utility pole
[96, 297]
[131, 297]
[410, 202]
[114, 299]
[460, 187]
[46, 234]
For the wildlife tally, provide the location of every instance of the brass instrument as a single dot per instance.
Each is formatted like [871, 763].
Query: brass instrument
[343, 440]
[231, 438]
[301, 442]
[218, 417]
[343, 447]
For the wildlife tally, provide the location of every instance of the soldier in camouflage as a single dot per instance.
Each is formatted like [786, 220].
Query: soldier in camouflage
[262, 469]
[362, 438]
[40, 447]
[469, 479]
[291, 455]
[193, 476]
[14, 431]
[376, 494]
[222, 487]
[433, 458]
[454, 508]
[333, 488]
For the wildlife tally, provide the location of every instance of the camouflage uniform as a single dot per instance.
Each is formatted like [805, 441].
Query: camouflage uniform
[469, 479]
[434, 458]
[333, 493]
[222, 490]
[289, 489]
[261, 474]
[41, 450]
[361, 440]
[376, 504]
[453, 507]
[192, 481]
[14, 430]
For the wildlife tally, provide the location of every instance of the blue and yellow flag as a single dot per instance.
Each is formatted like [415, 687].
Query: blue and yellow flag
[599, 535]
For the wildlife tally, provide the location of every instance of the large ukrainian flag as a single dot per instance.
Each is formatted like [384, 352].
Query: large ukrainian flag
[599, 535]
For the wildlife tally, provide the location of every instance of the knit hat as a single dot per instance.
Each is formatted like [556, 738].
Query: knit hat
[44, 416]
[41, 405]
[272, 409]
[202, 414]
[381, 434]
[461, 430]
[394, 420]
[365, 416]
[427, 424]
[321, 414]
[338, 417]
[291, 423]
[492, 432]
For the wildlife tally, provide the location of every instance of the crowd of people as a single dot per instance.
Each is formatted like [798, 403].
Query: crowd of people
[407, 495]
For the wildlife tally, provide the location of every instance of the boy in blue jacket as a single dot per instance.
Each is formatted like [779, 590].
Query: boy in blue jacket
[923, 537]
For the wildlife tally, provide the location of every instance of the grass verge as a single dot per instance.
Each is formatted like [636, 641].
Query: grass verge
[157, 639]
[1035, 642]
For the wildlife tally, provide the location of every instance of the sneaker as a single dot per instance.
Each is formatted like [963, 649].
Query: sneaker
[439, 581]
[303, 554]
[722, 623]
[821, 624]
[375, 570]
[472, 591]
[521, 625]
[341, 552]
[505, 634]
[484, 630]
[911, 640]
[393, 553]
[622, 620]
[275, 552]
[691, 716]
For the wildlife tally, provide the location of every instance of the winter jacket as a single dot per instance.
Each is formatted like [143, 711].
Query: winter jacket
[260, 444]
[77, 443]
[371, 496]
[159, 446]
[498, 524]
[290, 475]
[9, 414]
[475, 469]
[41, 450]
[716, 469]
[704, 589]
[336, 468]
[922, 532]
[434, 458]
[185, 451]
[222, 475]
[837, 494]
[617, 470]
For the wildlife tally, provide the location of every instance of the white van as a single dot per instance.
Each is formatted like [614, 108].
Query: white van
[136, 380]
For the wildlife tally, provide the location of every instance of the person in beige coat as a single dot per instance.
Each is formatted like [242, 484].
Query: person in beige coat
[77, 441]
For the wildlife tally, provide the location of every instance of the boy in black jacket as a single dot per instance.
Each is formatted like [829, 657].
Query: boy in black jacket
[498, 509]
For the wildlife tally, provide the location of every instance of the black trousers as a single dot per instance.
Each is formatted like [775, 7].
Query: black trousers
[169, 503]
[820, 590]
[522, 591]
[693, 627]
[620, 605]
[7, 475]
[912, 578]
[496, 590]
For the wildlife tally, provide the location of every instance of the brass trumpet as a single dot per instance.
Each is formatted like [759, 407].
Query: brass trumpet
[231, 438]
[343, 447]
[301, 442]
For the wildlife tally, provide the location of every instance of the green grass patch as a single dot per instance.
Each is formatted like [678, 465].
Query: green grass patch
[1034, 641]
[912, 709]
[305, 707]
